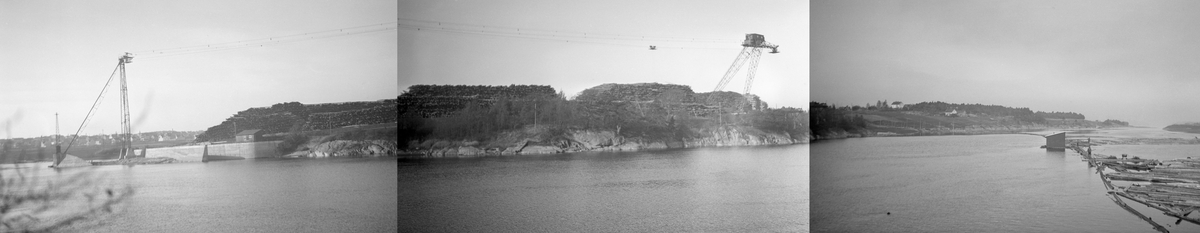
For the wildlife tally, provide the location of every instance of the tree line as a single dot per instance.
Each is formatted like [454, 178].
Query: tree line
[827, 118]
[656, 112]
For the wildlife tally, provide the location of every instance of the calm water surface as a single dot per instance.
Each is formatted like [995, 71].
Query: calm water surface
[739, 189]
[263, 195]
[988, 183]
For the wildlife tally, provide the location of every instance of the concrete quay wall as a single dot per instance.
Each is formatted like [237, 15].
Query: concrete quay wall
[247, 150]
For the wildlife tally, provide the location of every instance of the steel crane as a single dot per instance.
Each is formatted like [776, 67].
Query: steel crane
[751, 51]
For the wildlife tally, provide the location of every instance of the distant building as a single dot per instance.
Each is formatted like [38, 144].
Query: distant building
[248, 135]
[897, 105]
[1056, 142]
[951, 113]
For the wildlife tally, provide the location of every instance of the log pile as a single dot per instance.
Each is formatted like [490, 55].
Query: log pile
[1178, 200]
[1173, 185]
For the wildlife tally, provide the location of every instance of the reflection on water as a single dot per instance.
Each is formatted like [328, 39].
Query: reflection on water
[982, 183]
[741, 189]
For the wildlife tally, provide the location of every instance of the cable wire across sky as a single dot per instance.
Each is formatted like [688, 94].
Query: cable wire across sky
[564, 36]
[267, 41]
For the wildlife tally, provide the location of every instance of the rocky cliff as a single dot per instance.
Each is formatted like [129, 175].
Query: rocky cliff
[535, 142]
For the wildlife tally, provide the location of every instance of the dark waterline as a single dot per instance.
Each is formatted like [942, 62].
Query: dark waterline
[735, 189]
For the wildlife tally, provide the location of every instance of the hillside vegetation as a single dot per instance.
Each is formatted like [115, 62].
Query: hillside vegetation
[297, 117]
[936, 118]
[636, 115]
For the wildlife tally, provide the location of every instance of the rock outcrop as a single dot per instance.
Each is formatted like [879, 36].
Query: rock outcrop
[596, 140]
[354, 148]
[593, 139]
[729, 136]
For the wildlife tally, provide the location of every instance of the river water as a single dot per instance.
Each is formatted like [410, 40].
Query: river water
[733, 189]
[986, 183]
[258, 195]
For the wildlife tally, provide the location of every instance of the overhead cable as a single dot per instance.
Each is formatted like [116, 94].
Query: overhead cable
[263, 42]
[430, 23]
[257, 44]
[556, 37]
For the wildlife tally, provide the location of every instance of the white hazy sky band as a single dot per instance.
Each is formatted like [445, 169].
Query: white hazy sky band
[58, 54]
[1128, 60]
[456, 58]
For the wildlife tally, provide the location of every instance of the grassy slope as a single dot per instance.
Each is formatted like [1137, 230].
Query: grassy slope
[907, 123]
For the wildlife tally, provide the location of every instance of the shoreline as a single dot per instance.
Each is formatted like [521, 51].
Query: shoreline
[861, 135]
[418, 155]
[539, 141]
[1028, 131]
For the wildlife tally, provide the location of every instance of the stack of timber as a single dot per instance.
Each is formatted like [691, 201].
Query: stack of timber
[1123, 165]
[1172, 171]
[1178, 200]
[1171, 186]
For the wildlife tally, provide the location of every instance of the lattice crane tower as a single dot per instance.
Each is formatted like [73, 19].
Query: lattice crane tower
[126, 139]
[751, 51]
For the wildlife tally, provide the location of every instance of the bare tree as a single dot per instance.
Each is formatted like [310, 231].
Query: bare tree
[32, 203]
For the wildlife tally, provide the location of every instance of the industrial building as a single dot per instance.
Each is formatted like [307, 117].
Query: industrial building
[251, 135]
[1057, 142]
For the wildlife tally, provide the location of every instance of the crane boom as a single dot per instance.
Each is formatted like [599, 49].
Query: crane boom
[125, 138]
[737, 64]
[753, 69]
[752, 52]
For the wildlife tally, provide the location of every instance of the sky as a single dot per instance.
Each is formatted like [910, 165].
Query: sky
[441, 57]
[1127, 60]
[57, 56]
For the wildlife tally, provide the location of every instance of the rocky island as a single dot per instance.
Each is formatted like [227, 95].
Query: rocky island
[459, 120]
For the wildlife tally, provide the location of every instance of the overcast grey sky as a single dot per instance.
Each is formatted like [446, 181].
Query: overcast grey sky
[432, 57]
[1128, 60]
[58, 54]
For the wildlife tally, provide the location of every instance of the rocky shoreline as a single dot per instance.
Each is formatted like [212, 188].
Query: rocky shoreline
[538, 142]
[346, 148]
[976, 130]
